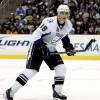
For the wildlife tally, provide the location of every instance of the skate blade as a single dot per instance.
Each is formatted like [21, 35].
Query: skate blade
[58, 99]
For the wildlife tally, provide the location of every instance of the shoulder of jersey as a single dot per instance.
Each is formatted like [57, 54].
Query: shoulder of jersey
[69, 22]
[50, 19]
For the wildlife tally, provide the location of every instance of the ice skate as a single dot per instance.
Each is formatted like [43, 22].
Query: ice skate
[7, 96]
[57, 96]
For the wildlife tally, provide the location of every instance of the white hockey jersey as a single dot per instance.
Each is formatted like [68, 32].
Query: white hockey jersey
[50, 31]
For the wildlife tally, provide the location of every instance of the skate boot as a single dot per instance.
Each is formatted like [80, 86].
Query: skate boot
[57, 96]
[7, 96]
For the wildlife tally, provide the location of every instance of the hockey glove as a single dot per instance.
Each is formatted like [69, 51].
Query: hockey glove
[68, 46]
[70, 53]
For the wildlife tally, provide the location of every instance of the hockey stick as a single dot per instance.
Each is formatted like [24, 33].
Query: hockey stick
[87, 46]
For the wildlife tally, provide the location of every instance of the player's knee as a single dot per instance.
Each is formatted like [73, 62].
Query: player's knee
[29, 73]
[60, 70]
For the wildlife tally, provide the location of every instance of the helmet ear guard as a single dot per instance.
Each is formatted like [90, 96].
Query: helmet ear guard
[63, 7]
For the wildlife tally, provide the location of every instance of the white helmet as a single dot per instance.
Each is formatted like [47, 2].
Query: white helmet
[63, 7]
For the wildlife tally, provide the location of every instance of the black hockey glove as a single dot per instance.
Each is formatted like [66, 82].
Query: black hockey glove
[68, 46]
[70, 53]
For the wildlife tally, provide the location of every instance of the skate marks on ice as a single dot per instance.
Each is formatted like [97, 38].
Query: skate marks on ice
[29, 98]
[36, 89]
[82, 81]
[39, 98]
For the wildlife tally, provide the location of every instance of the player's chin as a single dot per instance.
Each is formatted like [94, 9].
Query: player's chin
[61, 22]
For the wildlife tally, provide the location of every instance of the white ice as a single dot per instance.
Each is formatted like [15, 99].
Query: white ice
[82, 80]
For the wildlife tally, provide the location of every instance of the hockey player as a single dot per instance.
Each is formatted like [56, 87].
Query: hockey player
[45, 38]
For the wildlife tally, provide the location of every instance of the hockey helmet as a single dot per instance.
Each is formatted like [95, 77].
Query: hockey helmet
[63, 7]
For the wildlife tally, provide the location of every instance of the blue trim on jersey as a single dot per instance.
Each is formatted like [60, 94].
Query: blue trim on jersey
[46, 34]
[39, 42]
[66, 43]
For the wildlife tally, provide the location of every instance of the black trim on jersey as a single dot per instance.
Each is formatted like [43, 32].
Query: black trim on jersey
[60, 25]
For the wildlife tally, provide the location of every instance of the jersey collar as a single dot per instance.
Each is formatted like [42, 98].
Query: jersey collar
[60, 25]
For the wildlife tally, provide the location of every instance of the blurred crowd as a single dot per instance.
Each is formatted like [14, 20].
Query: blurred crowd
[0, 0]
[84, 15]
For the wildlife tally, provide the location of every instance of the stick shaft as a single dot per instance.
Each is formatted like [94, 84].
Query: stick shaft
[52, 53]
[87, 46]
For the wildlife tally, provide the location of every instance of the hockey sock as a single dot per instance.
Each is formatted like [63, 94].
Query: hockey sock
[60, 72]
[22, 80]
[59, 81]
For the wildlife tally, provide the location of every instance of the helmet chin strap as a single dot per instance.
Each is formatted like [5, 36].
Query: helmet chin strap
[60, 24]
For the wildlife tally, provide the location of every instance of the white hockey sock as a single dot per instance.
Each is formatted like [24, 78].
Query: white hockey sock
[60, 72]
[22, 80]
[15, 88]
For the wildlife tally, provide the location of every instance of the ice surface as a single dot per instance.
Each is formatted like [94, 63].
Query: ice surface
[82, 80]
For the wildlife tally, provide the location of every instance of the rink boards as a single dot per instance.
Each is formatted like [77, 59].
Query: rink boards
[17, 46]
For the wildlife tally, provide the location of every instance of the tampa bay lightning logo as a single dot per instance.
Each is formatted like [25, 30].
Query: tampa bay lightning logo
[59, 35]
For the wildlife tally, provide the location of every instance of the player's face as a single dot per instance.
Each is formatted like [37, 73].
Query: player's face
[62, 16]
